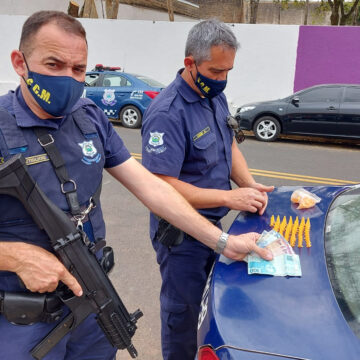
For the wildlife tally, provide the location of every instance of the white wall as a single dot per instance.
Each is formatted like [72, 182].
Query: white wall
[264, 67]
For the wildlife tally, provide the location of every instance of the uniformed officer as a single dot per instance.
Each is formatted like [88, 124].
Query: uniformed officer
[46, 111]
[188, 142]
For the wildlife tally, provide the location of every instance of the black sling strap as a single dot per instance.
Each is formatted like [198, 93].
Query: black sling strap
[68, 186]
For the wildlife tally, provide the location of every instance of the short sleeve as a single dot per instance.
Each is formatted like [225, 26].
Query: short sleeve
[114, 148]
[163, 143]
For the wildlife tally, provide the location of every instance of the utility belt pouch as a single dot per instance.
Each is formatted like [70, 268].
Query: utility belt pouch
[28, 308]
[168, 234]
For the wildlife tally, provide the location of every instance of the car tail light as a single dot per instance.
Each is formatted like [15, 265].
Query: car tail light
[207, 353]
[151, 94]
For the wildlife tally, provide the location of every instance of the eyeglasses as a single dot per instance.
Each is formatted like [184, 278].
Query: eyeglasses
[232, 123]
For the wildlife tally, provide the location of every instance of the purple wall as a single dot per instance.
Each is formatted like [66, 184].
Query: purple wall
[327, 55]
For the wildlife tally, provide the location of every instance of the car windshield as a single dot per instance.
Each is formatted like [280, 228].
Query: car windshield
[149, 81]
[342, 246]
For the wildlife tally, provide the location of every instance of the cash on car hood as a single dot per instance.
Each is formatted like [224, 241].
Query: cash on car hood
[296, 316]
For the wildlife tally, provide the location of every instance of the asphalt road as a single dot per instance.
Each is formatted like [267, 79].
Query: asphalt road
[136, 275]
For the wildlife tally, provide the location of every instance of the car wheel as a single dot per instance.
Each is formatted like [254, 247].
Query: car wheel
[267, 128]
[130, 117]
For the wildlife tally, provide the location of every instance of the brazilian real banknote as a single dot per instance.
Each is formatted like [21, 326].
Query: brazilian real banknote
[285, 262]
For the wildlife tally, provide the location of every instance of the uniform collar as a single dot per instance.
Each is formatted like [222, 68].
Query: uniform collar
[185, 89]
[188, 93]
[26, 118]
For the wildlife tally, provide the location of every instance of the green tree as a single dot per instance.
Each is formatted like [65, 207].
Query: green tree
[341, 12]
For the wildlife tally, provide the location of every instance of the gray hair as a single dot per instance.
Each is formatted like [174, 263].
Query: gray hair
[206, 34]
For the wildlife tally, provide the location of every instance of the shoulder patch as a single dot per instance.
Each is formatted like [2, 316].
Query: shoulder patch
[156, 143]
[156, 138]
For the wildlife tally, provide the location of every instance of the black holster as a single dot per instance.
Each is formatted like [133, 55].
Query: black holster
[168, 234]
[27, 308]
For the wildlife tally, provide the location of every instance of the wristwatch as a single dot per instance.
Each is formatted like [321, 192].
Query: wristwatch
[220, 246]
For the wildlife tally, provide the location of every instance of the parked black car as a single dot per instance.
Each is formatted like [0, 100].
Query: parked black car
[322, 110]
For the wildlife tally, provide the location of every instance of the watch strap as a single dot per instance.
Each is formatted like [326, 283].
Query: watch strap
[221, 244]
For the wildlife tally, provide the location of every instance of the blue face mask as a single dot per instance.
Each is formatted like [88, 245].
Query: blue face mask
[209, 87]
[55, 94]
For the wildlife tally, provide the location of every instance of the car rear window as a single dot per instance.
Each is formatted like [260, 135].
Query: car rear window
[149, 81]
[342, 246]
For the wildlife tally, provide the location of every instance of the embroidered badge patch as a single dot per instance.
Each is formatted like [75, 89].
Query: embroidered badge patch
[156, 138]
[109, 97]
[90, 153]
[156, 143]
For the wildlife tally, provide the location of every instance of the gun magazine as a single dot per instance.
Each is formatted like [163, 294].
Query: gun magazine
[50, 340]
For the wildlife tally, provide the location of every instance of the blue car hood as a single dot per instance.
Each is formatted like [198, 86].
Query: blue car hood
[296, 316]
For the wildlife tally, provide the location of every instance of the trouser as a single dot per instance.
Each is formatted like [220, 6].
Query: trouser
[86, 342]
[184, 269]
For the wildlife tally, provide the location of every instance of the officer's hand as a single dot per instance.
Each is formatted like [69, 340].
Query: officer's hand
[264, 190]
[246, 199]
[239, 246]
[41, 271]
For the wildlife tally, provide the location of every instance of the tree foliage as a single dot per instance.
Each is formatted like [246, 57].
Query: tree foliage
[341, 11]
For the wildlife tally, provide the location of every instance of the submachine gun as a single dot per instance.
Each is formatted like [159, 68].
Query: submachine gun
[77, 253]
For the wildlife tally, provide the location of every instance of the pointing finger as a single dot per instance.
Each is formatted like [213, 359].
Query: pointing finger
[72, 283]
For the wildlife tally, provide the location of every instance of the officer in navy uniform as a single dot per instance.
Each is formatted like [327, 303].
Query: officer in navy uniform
[187, 141]
[43, 112]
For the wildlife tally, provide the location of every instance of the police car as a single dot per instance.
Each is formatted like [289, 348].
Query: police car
[122, 96]
[315, 316]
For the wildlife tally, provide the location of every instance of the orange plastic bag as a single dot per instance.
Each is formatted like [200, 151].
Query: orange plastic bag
[304, 198]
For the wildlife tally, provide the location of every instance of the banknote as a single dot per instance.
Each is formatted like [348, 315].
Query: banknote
[279, 247]
[281, 265]
[274, 242]
[285, 261]
[268, 237]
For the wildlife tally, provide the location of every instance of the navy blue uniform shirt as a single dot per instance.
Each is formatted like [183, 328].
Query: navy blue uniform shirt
[187, 137]
[85, 156]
